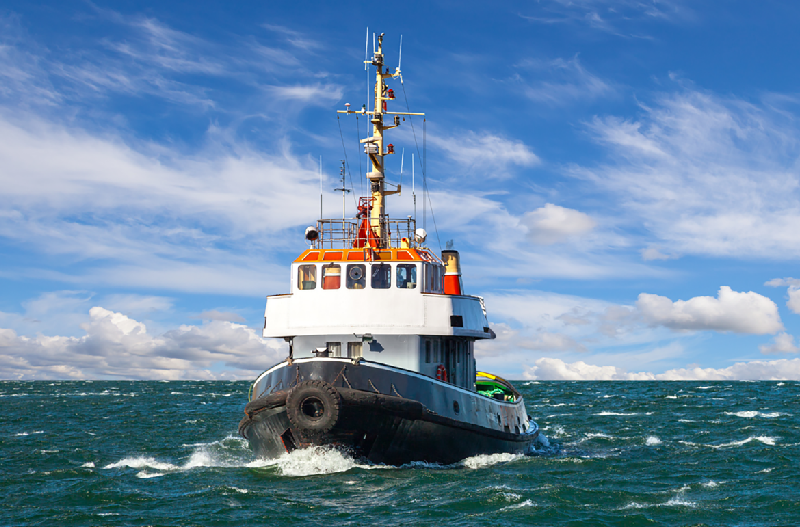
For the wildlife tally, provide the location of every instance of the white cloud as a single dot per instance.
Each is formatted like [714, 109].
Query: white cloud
[748, 313]
[609, 16]
[780, 282]
[783, 343]
[117, 346]
[220, 315]
[552, 224]
[567, 82]
[678, 169]
[652, 253]
[556, 369]
[489, 153]
[794, 291]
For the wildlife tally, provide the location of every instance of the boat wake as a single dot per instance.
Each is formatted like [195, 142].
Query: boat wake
[233, 452]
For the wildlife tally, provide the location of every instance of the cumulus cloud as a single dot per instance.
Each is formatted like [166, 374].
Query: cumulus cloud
[117, 346]
[782, 343]
[556, 369]
[793, 293]
[552, 224]
[748, 313]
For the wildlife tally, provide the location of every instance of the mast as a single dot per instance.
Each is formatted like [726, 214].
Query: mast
[374, 146]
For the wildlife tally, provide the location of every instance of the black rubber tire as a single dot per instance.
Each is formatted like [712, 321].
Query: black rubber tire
[313, 407]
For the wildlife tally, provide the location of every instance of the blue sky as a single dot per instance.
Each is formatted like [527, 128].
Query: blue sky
[621, 178]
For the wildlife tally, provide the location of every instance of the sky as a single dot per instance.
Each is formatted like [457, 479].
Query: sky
[621, 178]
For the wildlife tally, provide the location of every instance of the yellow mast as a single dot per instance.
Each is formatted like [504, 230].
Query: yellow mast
[374, 145]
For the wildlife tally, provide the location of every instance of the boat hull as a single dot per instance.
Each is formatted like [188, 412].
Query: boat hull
[380, 427]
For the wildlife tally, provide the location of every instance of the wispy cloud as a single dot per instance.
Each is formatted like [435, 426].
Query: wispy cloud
[565, 81]
[609, 16]
[491, 155]
[705, 175]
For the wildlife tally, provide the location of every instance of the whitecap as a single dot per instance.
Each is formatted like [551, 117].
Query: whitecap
[313, 461]
[88, 465]
[763, 439]
[526, 503]
[678, 501]
[710, 484]
[652, 441]
[616, 413]
[557, 431]
[748, 413]
[486, 460]
[141, 462]
[147, 475]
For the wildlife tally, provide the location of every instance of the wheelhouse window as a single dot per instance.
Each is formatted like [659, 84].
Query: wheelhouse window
[381, 276]
[433, 279]
[356, 276]
[307, 277]
[354, 350]
[406, 276]
[331, 276]
[335, 348]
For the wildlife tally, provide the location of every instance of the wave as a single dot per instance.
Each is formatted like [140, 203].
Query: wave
[652, 441]
[616, 413]
[753, 413]
[769, 441]
[232, 452]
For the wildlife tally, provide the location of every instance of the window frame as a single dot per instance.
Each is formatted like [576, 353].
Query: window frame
[325, 267]
[388, 278]
[406, 267]
[300, 271]
[349, 282]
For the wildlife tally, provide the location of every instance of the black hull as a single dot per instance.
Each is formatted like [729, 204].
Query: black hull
[381, 428]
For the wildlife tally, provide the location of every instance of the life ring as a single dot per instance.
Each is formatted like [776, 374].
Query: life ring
[356, 273]
[441, 373]
[313, 407]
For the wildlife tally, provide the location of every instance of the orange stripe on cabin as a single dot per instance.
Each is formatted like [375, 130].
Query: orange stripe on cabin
[361, 255]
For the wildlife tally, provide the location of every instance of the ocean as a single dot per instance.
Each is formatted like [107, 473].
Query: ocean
[620, 453]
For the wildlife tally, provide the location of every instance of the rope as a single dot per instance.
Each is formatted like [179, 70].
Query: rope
[360, 169]
[346, 161]
[422, 166]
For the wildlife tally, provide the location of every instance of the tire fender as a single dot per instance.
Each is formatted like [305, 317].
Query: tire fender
[313, 407]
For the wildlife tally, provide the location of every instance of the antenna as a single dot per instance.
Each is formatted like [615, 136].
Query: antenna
[320, 187]
[343, 190]
[366, 63]
[373, 43]
[400, 56]
[413, 191]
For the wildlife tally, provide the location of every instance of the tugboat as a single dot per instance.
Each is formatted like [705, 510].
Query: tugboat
[381, 340]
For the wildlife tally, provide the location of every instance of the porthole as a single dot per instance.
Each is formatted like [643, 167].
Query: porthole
[456, 409]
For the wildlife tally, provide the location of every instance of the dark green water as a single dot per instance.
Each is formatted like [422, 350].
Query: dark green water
[627, 453]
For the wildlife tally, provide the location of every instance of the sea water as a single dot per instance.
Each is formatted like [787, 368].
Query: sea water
[620, 453]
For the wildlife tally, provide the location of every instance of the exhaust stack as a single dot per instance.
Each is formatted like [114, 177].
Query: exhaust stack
[452, 273]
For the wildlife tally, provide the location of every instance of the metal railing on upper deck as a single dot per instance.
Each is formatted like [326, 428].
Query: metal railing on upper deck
[345, 234]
